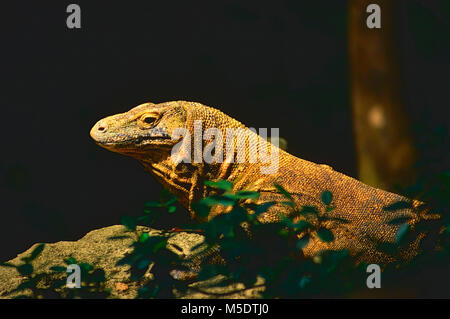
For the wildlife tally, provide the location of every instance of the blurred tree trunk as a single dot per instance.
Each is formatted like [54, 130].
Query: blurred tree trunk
[384, 146]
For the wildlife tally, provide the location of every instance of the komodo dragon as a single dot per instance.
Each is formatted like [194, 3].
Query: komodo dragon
[145, 133]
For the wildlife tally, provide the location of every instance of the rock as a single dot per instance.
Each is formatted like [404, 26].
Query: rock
[103, 248]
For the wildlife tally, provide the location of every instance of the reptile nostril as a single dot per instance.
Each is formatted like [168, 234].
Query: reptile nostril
[102, 128]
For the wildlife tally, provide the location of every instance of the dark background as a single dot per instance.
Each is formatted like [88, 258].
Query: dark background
[282, 64]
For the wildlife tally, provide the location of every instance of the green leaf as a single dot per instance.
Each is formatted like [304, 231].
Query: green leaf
[309, 210]
[286, 220]
[284, 192]
[86, 267]
[143, 237]
[143, 219]
[326, 197]
[25, 269]
[129, 222]
[70, 261]
[227, 231]
[6, 264]
[325, 235]
[221, 184]
[304, 282]
[283, 232]
[247, 195]
[398, 205]
[262, 208]
[218, 200]
[36, 252]
[301, 226]
[98, 276]
[201, 209]
[143, 263]
[329, 209]
[171, 209]
[288, 203]
[25, 285]
[399, 220]
[58, 268]
[171, 200]
[159, 245]
[152, 203]
[236, 216]
[402, 231]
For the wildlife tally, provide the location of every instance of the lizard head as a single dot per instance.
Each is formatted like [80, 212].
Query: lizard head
[142, 130]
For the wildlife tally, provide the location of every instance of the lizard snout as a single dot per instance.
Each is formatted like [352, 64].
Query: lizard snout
[98, 130]
[101, 127]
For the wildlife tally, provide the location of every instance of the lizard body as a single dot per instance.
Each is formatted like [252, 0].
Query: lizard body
[147, 133]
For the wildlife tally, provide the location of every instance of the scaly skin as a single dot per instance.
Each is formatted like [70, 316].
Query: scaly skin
[145, 132]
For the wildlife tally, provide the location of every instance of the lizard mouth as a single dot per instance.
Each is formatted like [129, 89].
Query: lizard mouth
[143, 143]
[137, 140]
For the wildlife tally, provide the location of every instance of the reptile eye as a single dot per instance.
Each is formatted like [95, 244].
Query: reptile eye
[148, 120]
